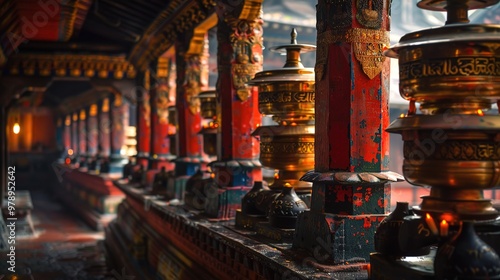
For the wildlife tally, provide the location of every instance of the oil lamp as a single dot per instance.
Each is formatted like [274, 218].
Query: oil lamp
[288, 95]
[452, 146]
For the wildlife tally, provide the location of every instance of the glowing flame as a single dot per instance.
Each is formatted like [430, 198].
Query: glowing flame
[70, 152]
[480, 112]
[402, 115]
[16, 128]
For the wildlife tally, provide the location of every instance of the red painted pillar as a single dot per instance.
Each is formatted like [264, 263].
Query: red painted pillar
[239, 57]
[350, 182]
[143, 128]
[104, 128]
[67, 133]
[192, 77]
[92, 131]
[74, 134]
[159, 102]
[119, 122]
[82, 133]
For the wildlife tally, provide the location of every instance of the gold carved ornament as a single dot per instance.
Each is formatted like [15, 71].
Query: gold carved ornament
[162, 103]
[368, 46]
[246, 41]
[146, 108]
[193, 83]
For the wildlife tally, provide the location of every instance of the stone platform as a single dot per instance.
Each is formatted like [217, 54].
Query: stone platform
[157, 240]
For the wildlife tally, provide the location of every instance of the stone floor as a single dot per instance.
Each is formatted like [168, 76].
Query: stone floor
[63, 247]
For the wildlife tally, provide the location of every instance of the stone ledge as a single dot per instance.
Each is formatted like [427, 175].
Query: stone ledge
[222, 250]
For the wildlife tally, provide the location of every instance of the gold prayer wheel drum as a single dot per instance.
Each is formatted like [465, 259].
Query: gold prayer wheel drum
[208, 106]
[454, 67]
[208, 110]
[288, 148]
[172, 115]
[457, 155]
[454, 73]
[288, 95]
[463, 154]
[172, 121]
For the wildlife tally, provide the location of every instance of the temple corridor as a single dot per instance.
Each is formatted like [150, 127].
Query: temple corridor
[64, 247]
[249, 139]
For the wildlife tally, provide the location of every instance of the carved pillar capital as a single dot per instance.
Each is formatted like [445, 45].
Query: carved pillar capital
[241, 27]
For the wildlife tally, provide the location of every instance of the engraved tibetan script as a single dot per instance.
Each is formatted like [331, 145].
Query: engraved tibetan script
[463, 66]
[284, 97]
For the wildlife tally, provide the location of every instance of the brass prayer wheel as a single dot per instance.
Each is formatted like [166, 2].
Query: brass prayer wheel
[208, 110]
[453, 147]
[288, 95]
[208, 104]
[172, 130]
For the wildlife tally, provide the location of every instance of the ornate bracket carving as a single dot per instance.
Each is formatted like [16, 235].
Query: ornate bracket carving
[245, 23]
[246, 41]
[73, 65]
[195, 73]
[368, 45]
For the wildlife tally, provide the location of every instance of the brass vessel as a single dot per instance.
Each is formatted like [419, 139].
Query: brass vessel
[208, 111]
[172, 129]
[288, 95]
[453, 146]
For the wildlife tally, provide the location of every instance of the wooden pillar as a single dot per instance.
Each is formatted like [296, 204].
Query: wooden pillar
[26, 134]
[92, 131]
[350, 189]
[82, 133]
[67, 133]
[239, 57]
[143, 128]
[104, 127]
[192, 77]
[74, 133]
[159, 103]
[119, 122]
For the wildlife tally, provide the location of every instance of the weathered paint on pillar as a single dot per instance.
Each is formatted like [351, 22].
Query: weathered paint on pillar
[352, 86]
[92, 131]
[239, 58]
[351, 192]
[104, 127]
[240, 43]
[159, 102]
[74, 133]
[143, 128]
[82, 133]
